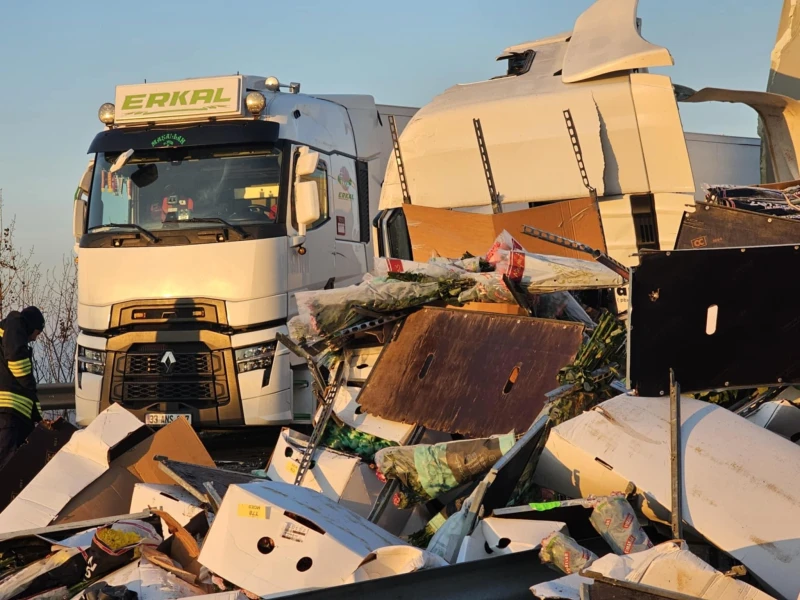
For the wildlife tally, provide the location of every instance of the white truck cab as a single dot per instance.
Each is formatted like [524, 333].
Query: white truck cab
[206, 205]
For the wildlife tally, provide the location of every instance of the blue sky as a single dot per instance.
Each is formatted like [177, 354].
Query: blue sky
[59, 61]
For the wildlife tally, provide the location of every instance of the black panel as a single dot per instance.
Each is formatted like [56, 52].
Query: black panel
[757, 328]
[712, 226]
[362, 180]
[207, 134]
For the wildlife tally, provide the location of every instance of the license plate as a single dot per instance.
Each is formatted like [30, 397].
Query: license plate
[159, 419]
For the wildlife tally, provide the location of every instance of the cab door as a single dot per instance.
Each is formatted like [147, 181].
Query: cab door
[351, 254]
[311, 265]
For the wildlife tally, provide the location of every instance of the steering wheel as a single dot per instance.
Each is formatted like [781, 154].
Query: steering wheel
[253, 210]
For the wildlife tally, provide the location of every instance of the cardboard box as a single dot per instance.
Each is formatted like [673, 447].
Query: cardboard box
[395, 560]
[347, 408]
[271, 538]
[80, 461]
[151, 582]
[740, 482]
[111, 493]
[30, 458]
[669, 566]
[495, 537]
[330, 470]
[172, 499]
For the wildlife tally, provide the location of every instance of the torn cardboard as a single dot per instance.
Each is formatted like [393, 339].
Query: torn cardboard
[111, 493]
[86, 456]
[451, 233]
[151, 582]
[347, 408]
[669, 566]
[172, 499]
[271, 538]
[42, 444]
[741, 483]
[395, 560]
[495, 537]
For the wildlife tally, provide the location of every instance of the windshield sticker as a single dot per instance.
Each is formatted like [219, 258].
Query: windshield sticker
[346, 182]
[168, 139]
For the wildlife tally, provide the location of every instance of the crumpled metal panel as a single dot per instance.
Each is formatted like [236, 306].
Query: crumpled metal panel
[472, 373]
[711, 226]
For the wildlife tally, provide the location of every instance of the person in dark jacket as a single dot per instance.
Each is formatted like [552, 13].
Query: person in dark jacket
[19, 404]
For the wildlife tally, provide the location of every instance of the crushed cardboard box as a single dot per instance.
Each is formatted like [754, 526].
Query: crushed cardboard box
[669, 566]
[111, 493]
[271, 538]
[172, 499]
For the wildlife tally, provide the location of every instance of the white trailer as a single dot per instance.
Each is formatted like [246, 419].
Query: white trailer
[588, 89]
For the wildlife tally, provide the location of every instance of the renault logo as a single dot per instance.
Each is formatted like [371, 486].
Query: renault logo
[168, 360]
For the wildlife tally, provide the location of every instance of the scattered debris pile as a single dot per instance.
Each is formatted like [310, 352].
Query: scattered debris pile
[474, 432]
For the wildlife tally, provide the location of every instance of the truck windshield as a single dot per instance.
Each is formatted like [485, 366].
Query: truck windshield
[186, 187]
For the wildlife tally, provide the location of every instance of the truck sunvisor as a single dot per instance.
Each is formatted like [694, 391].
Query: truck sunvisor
[206, 134]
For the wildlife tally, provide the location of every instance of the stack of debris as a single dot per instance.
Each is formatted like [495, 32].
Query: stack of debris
[476, 431]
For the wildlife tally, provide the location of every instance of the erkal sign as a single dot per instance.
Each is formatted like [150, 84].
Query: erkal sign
[179, 100]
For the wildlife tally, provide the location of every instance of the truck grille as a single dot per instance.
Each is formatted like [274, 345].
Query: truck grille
[186, 364]
[196, 377]
[201, 390]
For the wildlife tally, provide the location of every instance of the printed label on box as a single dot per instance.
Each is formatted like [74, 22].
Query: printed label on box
[253, 511]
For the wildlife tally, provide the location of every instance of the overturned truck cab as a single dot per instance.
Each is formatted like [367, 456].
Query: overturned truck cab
[207, 204]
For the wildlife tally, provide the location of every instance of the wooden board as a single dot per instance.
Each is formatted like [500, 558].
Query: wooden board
[451, 233]
[714, 226]
[451, 371]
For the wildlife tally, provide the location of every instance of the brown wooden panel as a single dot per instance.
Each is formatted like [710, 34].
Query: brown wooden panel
[449, 371]
[450, 233]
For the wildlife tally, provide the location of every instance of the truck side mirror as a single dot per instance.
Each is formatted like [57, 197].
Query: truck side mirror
[306, 163]
[306, 204]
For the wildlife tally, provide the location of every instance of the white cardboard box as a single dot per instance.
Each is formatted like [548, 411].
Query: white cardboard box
[395, 560]
[331, 470]
[82, 460]
[668, 566]
[347, 408]
[271, 538]
[504, 536]
[741, 483]
[172, 499]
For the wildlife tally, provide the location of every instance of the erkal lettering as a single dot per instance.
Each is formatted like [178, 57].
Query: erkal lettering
[345, 196]
[180, 98]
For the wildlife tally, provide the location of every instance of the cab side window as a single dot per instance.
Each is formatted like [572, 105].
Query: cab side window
[321, 177]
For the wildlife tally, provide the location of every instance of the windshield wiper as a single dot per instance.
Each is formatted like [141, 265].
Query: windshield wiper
[239, 231]
[145, 233]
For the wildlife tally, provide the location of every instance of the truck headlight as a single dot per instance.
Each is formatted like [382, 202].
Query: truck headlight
[91, 361]
[257, 357]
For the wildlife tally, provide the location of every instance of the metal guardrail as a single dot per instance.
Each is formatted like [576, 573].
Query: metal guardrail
[56, 396]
